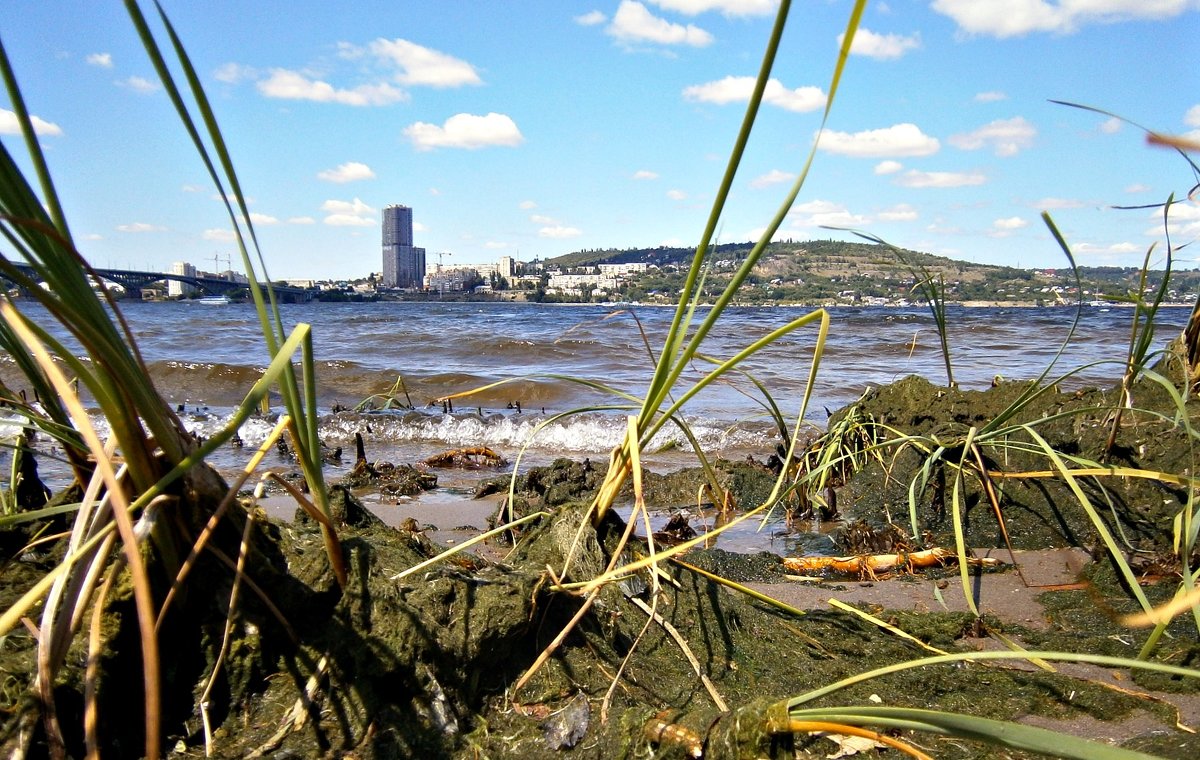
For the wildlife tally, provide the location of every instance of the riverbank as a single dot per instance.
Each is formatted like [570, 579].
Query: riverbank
[480, 621]
[445, 659]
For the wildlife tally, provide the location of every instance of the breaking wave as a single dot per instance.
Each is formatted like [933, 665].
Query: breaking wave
[590, 433]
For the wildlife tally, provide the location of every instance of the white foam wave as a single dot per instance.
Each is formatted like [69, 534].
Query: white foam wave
[580, 434]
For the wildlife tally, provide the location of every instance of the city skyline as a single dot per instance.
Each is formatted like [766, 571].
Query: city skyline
[403, 262]
[943, 137]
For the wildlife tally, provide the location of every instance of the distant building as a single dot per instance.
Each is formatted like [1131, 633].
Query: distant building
[233, 276]
[403, 264]
[450, 279]
[177, 289]
[622, 270]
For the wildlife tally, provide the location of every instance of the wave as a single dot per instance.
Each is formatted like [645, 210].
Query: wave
[590, 433]
[347, 383]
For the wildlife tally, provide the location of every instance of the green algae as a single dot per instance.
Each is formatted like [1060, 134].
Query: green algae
[427, 665]
[1038, 512]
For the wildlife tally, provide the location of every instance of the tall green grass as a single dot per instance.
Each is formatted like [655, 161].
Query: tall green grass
[149, 477]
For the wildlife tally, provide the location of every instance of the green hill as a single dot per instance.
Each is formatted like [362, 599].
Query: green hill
[821, 271]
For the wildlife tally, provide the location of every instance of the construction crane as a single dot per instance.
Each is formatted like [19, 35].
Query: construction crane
[441, 279]
[216, 264]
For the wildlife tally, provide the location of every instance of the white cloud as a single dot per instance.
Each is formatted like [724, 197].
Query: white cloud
[733, 89]
[292, 85]
[1192, 117]
[897, 140]
[264, 220]
[1183, 220]
[353, 213]
[350, 52]
[1137, 187]
[103, 60]
[1053, 204]
[189, 188]
[559, 232]
[633, 23]
[93, 236]
[420, 65]
[1010, 223]
[1091, 249]
[991, 96]
[219, 234]
[726, 7]
[467, 131]
[899, 213]
[497, 245]
[888, 167]
[301, 220]
[139, 227]
[773, 177]
[140, 85]
[676, 195]
[1006, 137]
[348, 220]
[937, 228]
[820, 213]
[526, 205]
[1020, 17]
[593, 18]
[356, 207]
[232, 73]
[351, 171]
[543, 220]
[914, 178]
[1180, 210]
[882, 47]
[10, 126]
[1110, 126]
[645, 174]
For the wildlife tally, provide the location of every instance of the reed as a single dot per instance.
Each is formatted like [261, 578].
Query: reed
[146, 490]
[964, 455]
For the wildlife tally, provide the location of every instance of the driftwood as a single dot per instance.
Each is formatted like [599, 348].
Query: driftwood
[471, 456]
[867, 565]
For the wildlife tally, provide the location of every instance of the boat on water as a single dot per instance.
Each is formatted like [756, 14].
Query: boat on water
[214, 300]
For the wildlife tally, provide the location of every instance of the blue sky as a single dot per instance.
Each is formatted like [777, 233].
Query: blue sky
[535, 128]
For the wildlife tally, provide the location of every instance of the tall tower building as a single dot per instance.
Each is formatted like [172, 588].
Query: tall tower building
[403, 264]
[177, 289]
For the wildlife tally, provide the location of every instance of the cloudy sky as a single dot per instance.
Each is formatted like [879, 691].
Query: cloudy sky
[536, 128]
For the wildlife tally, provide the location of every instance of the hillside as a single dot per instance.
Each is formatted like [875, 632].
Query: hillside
[828, 270]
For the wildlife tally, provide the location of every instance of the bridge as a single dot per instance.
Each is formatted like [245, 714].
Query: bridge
[133, 282]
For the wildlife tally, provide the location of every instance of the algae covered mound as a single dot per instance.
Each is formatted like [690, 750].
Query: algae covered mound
[426, 665]
[467, 657]
[747, 484]
[1039, 507]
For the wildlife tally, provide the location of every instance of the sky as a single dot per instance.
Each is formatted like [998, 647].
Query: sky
[536, 128]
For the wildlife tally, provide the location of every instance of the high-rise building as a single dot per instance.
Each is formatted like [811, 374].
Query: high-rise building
[177, 289]
[403, 264]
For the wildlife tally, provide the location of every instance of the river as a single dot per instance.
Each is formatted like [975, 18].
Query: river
[204, 358]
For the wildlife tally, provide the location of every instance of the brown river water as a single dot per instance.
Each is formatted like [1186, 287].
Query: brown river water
[204, 358]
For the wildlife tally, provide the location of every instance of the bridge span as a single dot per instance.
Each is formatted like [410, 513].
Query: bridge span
[133, 281]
